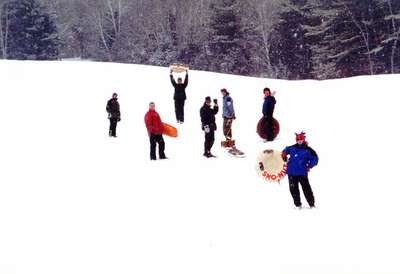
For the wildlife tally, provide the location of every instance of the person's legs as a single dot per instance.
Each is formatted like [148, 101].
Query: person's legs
[161, 146]
[294, 190]
[206, 143]
[227, 127]
[182, 110]
[308, 193]
[113, 126]
[211, 138]
[177, 113]
[153, 143]
[269, 131]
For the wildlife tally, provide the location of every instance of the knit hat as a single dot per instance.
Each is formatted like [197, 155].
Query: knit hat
[208, 99]
[300, 136]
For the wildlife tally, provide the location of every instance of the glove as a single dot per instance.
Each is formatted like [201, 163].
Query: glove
[233, 117]
[284, 156]
[215, 101]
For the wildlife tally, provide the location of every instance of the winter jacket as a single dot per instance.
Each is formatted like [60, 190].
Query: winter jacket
[180, 93]
[301, 159]
[113, 109]
[227, 108]
[207, 115]
[153, 123]
[269, 106]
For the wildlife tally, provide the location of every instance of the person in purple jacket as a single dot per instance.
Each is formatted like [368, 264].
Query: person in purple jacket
[301, 159]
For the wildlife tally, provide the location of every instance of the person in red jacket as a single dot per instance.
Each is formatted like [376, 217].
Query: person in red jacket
[155, 129]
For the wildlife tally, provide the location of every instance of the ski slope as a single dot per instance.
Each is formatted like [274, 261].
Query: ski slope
[72, 200]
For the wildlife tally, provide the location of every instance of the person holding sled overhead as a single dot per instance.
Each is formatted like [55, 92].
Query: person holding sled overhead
[268, 112]
[207, 115]
[155, 130]
[114, 114]
[179, 96]
[301, 159]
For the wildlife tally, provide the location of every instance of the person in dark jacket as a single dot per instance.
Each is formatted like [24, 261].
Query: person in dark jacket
[180, 96]
[114, 114]
[207, 115]
[301, 159]
[228, 114]
[268, 112]
[155, 130]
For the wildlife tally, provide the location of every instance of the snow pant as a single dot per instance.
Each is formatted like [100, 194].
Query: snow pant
[209, 141]
[113, 127]
[179, 110]
[227, 127]
[154, 140]
[305, 185]
[268, 128]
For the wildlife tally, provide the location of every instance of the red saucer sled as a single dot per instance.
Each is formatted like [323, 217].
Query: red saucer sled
[261, 127]
[170, 130]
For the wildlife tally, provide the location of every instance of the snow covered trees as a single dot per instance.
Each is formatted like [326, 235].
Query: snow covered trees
[288, 45]
[225, 35]
[28, 31]
[292, 39]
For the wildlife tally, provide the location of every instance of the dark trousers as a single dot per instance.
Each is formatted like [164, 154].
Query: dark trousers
[305, 185]
[209, 141]
[113, 127]
[227, 128]
[179, 110]
[268, 129]
[154, 140]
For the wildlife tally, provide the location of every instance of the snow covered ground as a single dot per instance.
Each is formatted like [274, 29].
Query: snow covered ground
[72, 200]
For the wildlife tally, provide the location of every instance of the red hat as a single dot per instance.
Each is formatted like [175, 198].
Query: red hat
[300, 136]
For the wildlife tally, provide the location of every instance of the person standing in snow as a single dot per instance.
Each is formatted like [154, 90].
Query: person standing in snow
[155, 129]
[114, 114]
[228, 114]
[180, 96]
[301, 159]
[207, 115]
[268, 112]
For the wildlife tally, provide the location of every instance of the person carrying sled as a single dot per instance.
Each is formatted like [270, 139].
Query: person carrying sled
[268, 112]
[301, 159]
[207, 115]
[114, 114]
[155, 129]
[228, 114]
[179, 96]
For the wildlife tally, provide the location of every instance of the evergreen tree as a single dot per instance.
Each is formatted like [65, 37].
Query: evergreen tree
[289, 45]
[346, 34]
[32, 32]
[226, 53]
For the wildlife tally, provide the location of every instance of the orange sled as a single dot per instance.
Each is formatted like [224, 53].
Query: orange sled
[170, 130]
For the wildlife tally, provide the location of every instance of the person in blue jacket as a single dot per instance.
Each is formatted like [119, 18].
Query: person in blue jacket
[228, 114]
[301, 159]
[268, 112]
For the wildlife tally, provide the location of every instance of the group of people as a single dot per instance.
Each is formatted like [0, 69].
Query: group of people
[300, 157]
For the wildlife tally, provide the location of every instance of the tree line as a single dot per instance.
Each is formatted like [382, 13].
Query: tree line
[288, 39]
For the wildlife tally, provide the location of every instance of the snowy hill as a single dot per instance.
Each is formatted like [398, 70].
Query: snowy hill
[72, 200]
